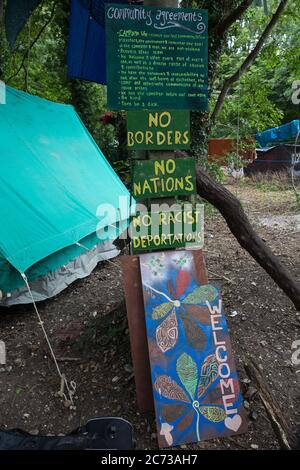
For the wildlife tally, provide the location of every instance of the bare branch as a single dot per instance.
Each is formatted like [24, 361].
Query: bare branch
[224, 25]
[248, 61]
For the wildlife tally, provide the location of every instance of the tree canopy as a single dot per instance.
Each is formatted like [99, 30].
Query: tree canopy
[260, 98]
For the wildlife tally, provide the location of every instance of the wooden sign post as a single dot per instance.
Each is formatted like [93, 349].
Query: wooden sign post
[158, 130]
[157, 65]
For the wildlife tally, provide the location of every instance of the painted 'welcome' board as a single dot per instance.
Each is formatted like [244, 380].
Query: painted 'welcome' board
[195, 384]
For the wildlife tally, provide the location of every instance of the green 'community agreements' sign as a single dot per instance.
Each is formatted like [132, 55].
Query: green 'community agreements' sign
[158, 130]
[157, 58]
[164, 178]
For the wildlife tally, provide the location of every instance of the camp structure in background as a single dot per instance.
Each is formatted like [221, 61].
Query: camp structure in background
[53, 178]
[278, 149]
[278, 158]
[220, 148]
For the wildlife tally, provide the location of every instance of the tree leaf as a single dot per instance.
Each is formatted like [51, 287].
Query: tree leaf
[201, 294]
[187, 372]
[214, 414]
[162, 310]
[182, 283]
[168, 388]
[209, 373]
[195, 336]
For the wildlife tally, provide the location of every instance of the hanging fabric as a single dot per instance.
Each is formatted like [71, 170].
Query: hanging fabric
[86, 49]
[17, 13]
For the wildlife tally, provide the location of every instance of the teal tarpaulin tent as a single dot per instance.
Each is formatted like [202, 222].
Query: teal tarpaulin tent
[53, 178]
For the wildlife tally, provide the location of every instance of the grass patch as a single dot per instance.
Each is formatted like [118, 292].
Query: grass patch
[269, 181]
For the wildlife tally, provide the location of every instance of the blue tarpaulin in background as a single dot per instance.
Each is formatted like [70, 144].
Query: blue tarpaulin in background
[281, 134]
[86, 50]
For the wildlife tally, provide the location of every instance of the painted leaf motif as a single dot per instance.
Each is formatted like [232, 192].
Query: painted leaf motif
[200, 314]
[187, 372]
[167, 333]
[201, 294]
[209, 373]
[171, 289]
[168, 388]
[172, 412]
[185, 422]
[162, 310]
[213, 413]
[182, 282]
[195, 336]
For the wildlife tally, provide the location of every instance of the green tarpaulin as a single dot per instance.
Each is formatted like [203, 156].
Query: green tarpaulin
[53, 177]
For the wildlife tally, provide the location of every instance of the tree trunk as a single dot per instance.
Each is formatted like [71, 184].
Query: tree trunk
[237, 221]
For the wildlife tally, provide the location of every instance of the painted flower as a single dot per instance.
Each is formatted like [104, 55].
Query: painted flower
[183, 405]
[182, 304]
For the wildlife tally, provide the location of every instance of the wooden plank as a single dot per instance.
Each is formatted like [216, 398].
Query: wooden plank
[158, 130]
[137, 331]
[164, 177]
[195, 384]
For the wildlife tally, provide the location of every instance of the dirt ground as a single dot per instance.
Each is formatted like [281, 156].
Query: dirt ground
[94, 348]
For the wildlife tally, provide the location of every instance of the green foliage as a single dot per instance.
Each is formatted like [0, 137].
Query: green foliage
[262, 97]
[213, 169]
[43, 71]
[122, 167]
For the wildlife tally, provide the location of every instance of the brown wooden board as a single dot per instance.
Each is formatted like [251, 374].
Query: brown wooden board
[137, 331]
[164, 178]
[136, 324]
[195, 384]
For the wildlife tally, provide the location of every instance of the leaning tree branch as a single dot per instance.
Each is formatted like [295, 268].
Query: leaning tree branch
[248, 61]
[235, 15]
[237, 221]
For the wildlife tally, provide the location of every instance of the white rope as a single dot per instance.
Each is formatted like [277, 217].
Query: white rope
[238, 119]
[64, 383]
[158, 292]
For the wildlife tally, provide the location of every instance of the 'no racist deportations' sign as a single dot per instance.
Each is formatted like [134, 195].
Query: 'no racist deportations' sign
[179, 227]
[156, 57]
